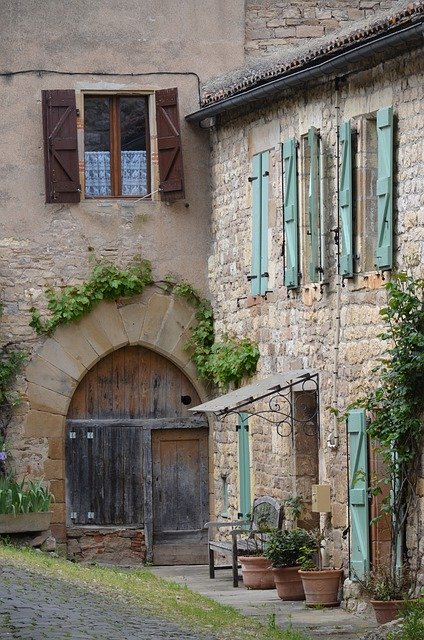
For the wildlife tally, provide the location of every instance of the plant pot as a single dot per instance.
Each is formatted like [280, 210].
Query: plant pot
[386, 610]
[322, 587]
[23, 522]
[257, 572]
[289, 583]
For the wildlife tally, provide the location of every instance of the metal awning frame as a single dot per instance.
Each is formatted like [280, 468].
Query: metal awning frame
[281, 409]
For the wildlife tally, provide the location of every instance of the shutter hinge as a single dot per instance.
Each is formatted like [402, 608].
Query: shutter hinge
[90, 515]
[264, 175]
[73, 515]
[265, 274]
[90, 435]
[72, 436]
[250, 277]
[251, 179]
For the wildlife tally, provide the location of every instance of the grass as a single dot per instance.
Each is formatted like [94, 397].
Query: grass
[146, 592]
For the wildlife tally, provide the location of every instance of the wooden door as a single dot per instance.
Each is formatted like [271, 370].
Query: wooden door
[180, 495]
[128, 403]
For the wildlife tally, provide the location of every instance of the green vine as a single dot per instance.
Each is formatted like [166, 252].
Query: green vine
[222, 361]
[107, 282]
[397, 403]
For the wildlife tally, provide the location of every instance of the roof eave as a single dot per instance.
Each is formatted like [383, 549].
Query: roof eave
[333, 64]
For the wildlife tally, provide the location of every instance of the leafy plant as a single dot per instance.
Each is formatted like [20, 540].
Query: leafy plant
[413, 621]
[285, 548]
[310, 558]
[107, 282]
[23, 497]
[382, 584]
[397, 403]
[294, 506]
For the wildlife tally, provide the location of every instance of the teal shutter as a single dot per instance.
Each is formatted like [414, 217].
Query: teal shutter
[291, 215]
[346, 201]
[263, 287]
[313, 206]
[244, 464]
[260, 181]
[358, 494]
[384, 249]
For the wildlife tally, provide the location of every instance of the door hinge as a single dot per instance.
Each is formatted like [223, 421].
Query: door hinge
[90, 515]
[72, 435]
[73, 515]
[90, 435]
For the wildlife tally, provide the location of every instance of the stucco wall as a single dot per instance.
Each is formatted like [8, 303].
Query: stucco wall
[96, 45]
[298, 329]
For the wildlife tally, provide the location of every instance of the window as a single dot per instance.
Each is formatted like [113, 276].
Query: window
[291, 214]
[310, 152]
[116, 145]
[366, 193]
[116, 150]
[259, 180]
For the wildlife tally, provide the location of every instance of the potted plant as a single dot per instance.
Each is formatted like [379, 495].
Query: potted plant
[24, 506]
[321, 585]
[387, 591]
[255, 567]
[284, 548]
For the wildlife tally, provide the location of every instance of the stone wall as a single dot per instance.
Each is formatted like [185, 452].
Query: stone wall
[107, 545]
[272, 25]
[298, 329]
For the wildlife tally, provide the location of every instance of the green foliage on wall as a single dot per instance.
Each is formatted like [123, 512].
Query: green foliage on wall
[107, 282]
[222, 362]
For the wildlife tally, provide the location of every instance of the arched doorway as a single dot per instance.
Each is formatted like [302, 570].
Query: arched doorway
[136, 458]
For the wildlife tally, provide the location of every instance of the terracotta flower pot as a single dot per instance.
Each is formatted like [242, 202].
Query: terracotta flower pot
[321, 587]
[386, 610]
[289, 583]
[257, 572]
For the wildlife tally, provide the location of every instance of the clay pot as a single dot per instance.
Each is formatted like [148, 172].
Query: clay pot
[289, 583]
[321, 587]
[257, 573]
[386, 610]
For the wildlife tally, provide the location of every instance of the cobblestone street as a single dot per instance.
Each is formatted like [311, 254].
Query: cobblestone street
[36, 607]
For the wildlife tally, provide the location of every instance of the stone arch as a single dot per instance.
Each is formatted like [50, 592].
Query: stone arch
[155, 320]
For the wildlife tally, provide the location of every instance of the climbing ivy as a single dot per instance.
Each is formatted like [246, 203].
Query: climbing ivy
[222, 361]
[107, 282]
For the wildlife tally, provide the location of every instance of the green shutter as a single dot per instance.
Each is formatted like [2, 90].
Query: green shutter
[384, 249]
[291, 215]
[358, 494]
[244, 464]
[313, 205]
[256, 225]
[346, 201]
[260, 181]
[263, 286]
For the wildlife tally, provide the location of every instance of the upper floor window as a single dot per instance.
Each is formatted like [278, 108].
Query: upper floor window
[112, 157]
[116, 145]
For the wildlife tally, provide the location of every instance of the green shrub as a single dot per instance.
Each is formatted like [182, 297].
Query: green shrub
[285, 548]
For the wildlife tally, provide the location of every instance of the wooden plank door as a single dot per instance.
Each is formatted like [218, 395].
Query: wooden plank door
[180, 495]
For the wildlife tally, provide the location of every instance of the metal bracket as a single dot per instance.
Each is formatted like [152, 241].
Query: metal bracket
[90, 515]
[90, 435]
[72, 435]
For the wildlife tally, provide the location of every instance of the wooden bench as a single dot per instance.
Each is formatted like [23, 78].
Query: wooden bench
[245, 534]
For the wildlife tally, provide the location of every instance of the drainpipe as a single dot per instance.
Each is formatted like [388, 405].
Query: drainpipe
[334, 438]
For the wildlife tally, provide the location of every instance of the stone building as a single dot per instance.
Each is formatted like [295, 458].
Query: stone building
[101, 81]
[316, 154]
[94, 120]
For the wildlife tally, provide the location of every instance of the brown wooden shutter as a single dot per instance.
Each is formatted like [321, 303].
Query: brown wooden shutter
[60, 146]
[171, 177]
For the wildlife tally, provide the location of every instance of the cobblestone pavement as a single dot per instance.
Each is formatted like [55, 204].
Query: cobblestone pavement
[37, 607]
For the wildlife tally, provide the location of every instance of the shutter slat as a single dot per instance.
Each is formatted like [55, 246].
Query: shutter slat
[384, 248]
[291, 274]
[313, 205]
[171, 175]
[358, 494]
[264, 174]
[60, 146]
[244, 465]
[255, 283]
[346, 201]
